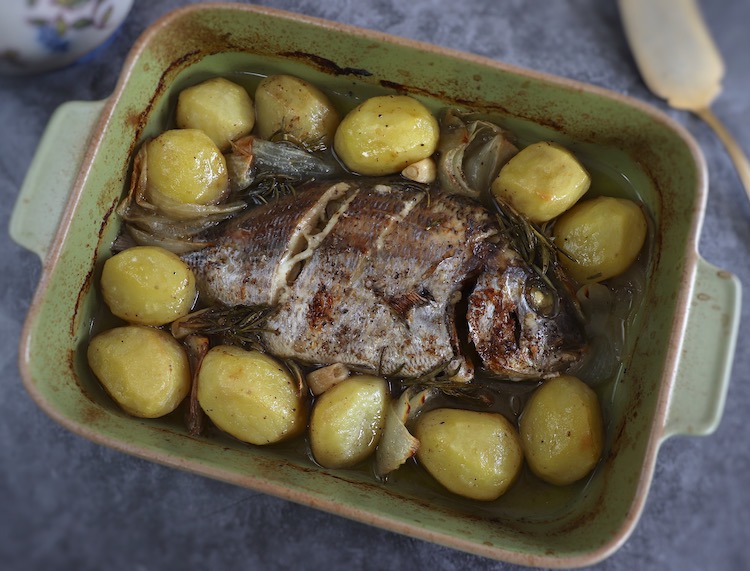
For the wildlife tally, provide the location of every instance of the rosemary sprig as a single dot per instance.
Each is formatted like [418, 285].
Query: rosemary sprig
[269, 186]
[531, 241]
[240, 325]
[311, 146]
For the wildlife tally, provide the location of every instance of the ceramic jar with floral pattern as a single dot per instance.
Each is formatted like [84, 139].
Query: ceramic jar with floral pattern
[42, 35]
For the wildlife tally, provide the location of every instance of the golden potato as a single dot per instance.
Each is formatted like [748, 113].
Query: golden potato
[291, 106]
[148, 285]
[385, 134]
[144, 370]
[473, 454]
[347, 421]
[250, 395]
[603, 236]
[562, 431]
[185, 166]
[218, 107]
[542, 181]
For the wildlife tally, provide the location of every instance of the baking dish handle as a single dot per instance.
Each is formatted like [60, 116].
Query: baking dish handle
[52, 175]
[705, 361]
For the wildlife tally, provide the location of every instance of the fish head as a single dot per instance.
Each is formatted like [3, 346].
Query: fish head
[522, 325]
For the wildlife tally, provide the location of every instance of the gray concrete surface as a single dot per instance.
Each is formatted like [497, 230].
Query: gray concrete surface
[66, 503]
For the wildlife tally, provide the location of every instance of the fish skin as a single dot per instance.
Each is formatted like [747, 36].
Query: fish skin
[244, 267]
[368, 275]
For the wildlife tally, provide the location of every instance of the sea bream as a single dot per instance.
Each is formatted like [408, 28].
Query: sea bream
[390, 278]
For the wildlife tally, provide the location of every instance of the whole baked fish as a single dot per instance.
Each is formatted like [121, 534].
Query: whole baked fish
[395, 279]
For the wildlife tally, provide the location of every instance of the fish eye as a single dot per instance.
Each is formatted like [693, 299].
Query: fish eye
[541, 298]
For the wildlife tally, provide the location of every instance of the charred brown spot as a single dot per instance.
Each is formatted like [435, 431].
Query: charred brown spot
[327, 65]
[503, 337]
[403, 303]
[320, 310]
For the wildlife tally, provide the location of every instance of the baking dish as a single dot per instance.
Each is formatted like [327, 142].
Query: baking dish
[677, 368]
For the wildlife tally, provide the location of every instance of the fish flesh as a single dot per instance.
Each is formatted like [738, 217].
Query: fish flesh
[397, 279]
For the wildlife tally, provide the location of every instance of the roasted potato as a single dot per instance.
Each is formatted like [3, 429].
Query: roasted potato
[603, 237]
[185, 166]
[148, 285]
[385, 134]
[562, 430]
[251, 395]
[220, 108]
[542, 181]
[347, 421]
[145, 370]
[290, 106]
[473, 454]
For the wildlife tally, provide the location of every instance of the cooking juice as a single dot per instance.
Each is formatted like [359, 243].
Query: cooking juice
[612, 174]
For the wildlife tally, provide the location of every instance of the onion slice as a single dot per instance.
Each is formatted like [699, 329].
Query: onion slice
[397, 444]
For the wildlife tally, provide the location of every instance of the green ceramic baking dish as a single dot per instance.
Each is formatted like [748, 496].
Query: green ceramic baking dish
[677, 362]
